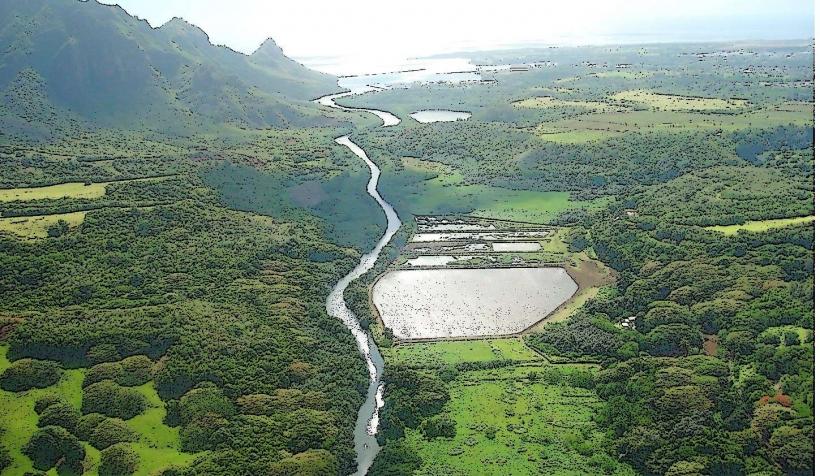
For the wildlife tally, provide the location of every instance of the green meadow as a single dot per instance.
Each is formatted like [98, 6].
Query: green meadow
[158, 444]
[427, 188]
[525, 417]
[760, 225]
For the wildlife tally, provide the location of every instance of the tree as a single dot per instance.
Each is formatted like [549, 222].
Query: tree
[60, 414]
[396, 459]
[686, 468]
[206, 399]
[793, 449]
[104, 352]
[637, 444]
[308, 463]
[677, 403]
[791, 338]
[664, 312]
[438, 426]
[112, 400]
[87, 424]
[118, 460]
[673, 340]
[25, 374]
[45, 401]
[110, 432]
[136, 370]
[103, 371]
[57, 229]
[739, 343]
[5, 458]
[50, 444]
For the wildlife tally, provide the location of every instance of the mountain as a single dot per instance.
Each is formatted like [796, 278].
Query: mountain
[109, 68]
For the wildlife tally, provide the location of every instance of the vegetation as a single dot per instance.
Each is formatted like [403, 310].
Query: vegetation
[179, 236]
[118, 460]
[166, 256]
[691, 175]
[489, 414]
[26, 374]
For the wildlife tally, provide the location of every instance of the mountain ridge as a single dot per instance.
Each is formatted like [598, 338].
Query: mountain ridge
[114, 69]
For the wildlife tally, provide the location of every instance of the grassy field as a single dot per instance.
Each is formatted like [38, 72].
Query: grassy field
[780, 330]
[36, 226]
[551, 102]
[158, 445]
[510, 420]
[17, 415]
[433, 354]
[63, 190]
[760, 225]
[448, 193]
[592, 127]
[671, 102]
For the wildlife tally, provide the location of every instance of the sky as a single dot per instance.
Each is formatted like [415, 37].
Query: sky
[375, 31]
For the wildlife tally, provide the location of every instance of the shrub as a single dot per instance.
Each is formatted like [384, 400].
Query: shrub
[396, 459]
[66, 467]
[203, 400]
[203, 433]
[5, 458]
[60, 414]
[118, 460]
[50, 444]
[87, 424]
[110, 399]
[110, 432]
[25, 374]
[171, 413]
[46, 401]
[439, 426]
[103, 371]
[309, 463]
[791, 338]
[102, 353]
[136, 370]
[57, 229]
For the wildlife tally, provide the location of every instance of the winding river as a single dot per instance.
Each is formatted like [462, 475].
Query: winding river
[368, 418]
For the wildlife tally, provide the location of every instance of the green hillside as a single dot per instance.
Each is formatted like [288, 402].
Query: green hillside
[112, 69]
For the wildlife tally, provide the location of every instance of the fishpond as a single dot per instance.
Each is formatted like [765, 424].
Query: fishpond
[441, 303]
[439, 115]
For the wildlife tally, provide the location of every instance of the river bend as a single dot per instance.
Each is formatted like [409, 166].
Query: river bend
[367, 421]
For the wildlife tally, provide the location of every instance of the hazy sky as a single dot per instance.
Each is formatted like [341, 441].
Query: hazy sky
[378, 29]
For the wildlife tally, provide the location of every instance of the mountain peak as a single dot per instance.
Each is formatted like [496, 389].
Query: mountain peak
[182, 26]
[269, 48]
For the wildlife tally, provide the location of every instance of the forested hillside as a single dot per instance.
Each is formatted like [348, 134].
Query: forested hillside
[172, 217]
[102, 66]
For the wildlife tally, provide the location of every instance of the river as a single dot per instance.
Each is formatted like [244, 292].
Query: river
[367, 422]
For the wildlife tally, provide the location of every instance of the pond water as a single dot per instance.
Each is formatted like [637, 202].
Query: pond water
[438, 303]
[455, 227]
[480, 236]
[440, 115]
[522, 246]
[436, 260]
